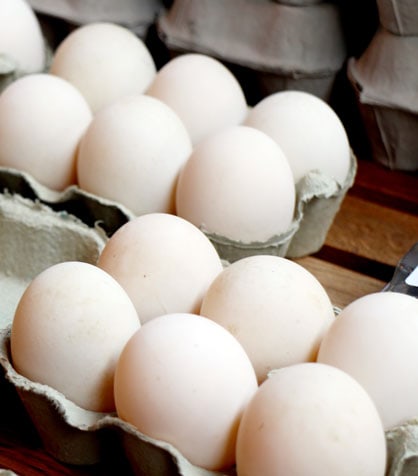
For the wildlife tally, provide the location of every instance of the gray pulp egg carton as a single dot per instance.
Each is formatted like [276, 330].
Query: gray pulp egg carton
[137, 16]
[318, 200]
[34, 236]
[280, 46]
[384, 79]
[399, 16]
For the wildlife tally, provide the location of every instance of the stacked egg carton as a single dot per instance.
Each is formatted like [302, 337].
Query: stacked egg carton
[137, 16]
[384, 78]
[291, 44]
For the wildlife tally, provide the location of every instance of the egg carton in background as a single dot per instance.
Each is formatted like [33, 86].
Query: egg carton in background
[275, 46]
[384, 79]
[132, 14]
[399, 16]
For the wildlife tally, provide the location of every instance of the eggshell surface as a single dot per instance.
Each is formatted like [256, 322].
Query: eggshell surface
[42, 119]
[237, 184]
[202, 91]
[132, 153]
[308, 131]
[163, 262]
[276, 309]
[311, 419]
[186, 380]
[374, 340]
[105, 62]
[21, 39]
[68, 331]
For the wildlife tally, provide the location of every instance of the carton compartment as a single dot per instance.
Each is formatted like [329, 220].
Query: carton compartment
[32, 238]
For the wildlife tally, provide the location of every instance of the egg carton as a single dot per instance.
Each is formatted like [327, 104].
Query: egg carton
[384, 79]
[399, 16]
[92, 210]
[33, 236]
[318, 199]
[137, 16]
[278, 46]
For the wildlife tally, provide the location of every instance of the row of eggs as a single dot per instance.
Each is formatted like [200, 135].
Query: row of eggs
[241, 365]
[179, 140]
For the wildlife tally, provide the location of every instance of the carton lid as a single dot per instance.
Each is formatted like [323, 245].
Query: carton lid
[268, 36]
[386, 74]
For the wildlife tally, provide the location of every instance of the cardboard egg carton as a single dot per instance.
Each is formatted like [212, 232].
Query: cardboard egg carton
[279, 46]
[318, 199]
[95, 212]
[137, 16]
[33, 236]
[399, 16]
[385, 82]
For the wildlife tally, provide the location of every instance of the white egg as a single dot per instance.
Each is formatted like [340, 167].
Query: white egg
[185, 380]
[69, 328]
[42, 119]
[311, 419]
[21, 39]
[237, 184]
[202, 91]
[277, 309]
[105, 61]
[374, 339]
[132, 153]
[307, 129]
[163, 262]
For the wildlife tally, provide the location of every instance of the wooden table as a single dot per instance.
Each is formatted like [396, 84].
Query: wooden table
[375, 227]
